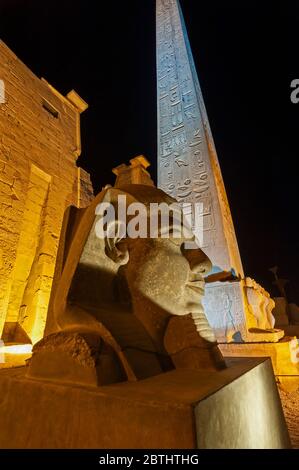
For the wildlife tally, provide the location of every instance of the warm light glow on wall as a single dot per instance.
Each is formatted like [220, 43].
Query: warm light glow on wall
[38, 181]
[16, 349]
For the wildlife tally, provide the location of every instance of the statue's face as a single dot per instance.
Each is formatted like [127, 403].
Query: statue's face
[159, 272]
[167, 274]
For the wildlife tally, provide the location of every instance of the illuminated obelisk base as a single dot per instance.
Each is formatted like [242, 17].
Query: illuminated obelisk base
[240, 311]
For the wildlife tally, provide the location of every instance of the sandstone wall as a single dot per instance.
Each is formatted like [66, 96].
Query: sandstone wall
[39, 146]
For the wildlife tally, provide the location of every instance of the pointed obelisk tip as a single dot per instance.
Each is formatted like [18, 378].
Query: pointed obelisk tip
[134, 173]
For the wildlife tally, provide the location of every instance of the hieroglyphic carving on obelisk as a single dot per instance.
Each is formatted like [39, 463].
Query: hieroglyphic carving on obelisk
[188, 167]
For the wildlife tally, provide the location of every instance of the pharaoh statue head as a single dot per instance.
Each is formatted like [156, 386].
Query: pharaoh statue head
[127, 294]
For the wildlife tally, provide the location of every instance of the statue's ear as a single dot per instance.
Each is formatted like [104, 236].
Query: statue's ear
[116, 247]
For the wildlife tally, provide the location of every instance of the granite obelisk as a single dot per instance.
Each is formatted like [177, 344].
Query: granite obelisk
[188, 169]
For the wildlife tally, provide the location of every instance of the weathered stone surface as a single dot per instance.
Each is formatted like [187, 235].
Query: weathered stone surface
[290, 404]
[39, 146]
[181, 409]
[82, 358]
[260, 306]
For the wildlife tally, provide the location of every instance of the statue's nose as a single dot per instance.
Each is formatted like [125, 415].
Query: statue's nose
[198, 261]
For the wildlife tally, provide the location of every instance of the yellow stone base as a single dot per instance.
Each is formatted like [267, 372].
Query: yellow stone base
[235, 408]
[14, 355]
[289, 384]
[256, 335]
[284, 354]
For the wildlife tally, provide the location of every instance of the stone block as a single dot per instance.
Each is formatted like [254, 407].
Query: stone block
[181, 409]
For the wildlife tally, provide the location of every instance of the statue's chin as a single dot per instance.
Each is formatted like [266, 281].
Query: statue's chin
[185, 310]
[193, 307]
[180, 314]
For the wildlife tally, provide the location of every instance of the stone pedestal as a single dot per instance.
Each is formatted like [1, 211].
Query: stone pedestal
[240, 311]
[177, 409]
[284, 354]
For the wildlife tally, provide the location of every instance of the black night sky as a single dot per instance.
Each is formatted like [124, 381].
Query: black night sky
[246, 55]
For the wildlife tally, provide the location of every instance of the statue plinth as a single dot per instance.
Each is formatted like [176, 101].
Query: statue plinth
[129, 359]
[181, 409]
